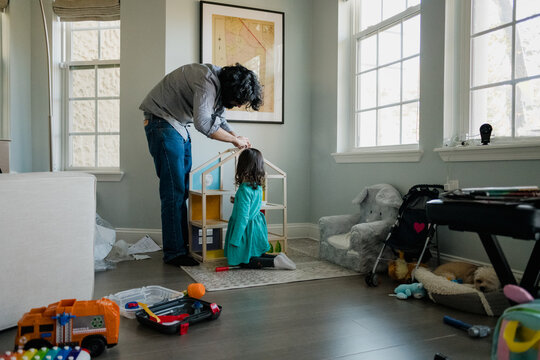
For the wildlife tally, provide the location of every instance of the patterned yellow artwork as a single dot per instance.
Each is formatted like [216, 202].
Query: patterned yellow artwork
[250, 43]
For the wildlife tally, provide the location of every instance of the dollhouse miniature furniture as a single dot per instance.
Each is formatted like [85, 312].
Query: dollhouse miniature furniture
[354, 240]
[207, 196]
[47, 223]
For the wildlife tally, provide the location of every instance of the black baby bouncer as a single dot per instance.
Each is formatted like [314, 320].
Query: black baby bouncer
[412, 232]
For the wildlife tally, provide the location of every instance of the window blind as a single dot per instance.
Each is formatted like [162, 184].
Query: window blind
[87, 10]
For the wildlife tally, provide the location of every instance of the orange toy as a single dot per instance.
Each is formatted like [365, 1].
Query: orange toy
[92, 325]
[195, 290]
[400, 270]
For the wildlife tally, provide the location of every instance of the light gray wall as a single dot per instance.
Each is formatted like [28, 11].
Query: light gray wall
[19, 52]
[335, 185]
[159, 36]
[134, 202]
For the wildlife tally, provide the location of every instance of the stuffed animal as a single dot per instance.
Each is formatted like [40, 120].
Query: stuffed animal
[400, 270]
[404, 291]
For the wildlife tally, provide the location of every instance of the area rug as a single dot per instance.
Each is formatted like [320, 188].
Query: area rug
[302, 251]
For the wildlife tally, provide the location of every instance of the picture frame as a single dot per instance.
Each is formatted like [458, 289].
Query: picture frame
[255, 38]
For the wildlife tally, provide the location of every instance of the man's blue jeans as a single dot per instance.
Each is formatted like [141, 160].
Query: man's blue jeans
[172, 159]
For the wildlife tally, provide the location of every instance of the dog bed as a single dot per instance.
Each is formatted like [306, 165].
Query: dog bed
[461, 297]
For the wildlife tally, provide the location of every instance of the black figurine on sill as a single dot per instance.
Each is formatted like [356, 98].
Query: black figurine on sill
[485, 133]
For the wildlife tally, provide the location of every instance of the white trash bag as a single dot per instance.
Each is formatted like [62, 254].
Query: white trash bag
[104, 239]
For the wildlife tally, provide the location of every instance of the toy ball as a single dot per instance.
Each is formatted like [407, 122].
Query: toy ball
[196, 290]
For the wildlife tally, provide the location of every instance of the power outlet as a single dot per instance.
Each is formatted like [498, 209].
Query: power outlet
[451, 185]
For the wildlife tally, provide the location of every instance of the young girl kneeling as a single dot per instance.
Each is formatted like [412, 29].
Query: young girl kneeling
[246, 241]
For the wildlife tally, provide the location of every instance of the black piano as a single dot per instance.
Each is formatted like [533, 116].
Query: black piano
[516, 218]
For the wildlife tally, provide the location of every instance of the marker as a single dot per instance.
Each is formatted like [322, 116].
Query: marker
[227, 268]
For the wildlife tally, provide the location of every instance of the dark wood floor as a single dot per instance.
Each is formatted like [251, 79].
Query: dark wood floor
[322, 319]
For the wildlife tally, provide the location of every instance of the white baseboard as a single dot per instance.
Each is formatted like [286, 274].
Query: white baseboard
[131, 235]
[294, 231]
[298, 230]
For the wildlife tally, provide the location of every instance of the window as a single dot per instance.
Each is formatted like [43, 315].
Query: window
[26, 330]
[502, 80]
[387, 72]
[46, 328]
[91, 95]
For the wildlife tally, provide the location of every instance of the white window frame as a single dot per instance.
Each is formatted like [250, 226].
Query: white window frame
[380, 153]
[457, 89]
[102, 173]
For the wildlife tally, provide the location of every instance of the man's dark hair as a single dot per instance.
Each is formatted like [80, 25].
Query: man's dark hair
[240, 86]
[250, 168]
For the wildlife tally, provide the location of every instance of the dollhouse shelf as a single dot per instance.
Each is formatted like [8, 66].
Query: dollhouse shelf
[210, 223]
[213, 192]
[270, 206]
[275, 237]
[206, 219]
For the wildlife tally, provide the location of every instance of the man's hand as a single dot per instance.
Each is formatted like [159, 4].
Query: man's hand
[242, 142]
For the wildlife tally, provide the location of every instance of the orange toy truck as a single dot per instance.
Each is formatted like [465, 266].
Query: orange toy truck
[92, 324]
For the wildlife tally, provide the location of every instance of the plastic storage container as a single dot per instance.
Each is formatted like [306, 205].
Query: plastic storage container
[189, 311]
[149, 295]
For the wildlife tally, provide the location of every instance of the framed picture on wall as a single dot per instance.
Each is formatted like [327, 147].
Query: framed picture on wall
[253, 38]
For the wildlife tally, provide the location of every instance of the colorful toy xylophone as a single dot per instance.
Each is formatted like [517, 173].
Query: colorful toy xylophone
[55, 353]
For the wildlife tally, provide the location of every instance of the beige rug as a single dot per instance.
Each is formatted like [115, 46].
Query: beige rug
[303, 252]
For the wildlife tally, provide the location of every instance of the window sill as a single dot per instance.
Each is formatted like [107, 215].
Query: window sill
[383, 155]
[105, 175]
[515, 151]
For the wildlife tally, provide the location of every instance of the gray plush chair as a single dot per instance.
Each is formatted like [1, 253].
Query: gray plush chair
[355, 240]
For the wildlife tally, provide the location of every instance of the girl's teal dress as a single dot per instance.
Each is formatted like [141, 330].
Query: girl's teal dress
[247, 234]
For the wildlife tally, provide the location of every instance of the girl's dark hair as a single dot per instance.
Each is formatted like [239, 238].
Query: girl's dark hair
[250, 168]
[240, 86]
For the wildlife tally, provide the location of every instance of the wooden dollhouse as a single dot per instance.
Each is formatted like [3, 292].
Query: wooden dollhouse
[207, 196]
